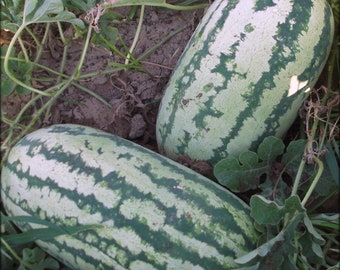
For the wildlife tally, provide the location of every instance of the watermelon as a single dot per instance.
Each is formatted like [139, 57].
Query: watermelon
[151, 212]
[243, 76]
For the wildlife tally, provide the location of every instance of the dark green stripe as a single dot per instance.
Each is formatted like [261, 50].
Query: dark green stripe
[287, 36]
[180, 86]
[310, 74]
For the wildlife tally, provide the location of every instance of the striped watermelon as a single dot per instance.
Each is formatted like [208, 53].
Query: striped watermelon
[243, 76]
[156, 214]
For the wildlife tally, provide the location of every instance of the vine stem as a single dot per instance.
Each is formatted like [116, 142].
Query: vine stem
[298, 177]
[309, 150]
[8, 142]
[315, 180]
[154, 4]
[6, 65]
[139, 27]
[77, 72]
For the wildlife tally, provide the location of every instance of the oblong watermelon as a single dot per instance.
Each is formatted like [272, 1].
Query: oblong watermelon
[153, 213]
[243, 76]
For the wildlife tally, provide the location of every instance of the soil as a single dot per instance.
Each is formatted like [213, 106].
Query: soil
[133, 95]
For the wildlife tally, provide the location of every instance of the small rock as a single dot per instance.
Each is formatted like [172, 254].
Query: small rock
[138, 126]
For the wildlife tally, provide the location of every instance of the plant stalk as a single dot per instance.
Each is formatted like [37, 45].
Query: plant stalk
[6, 64]
[315, 181]
[136, 37]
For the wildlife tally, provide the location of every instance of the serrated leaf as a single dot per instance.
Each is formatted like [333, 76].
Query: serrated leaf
[237, 176]
[40, 11]
[248, 159]
[33, 255]
[289, 263]
[310, 249]
[293, 206]
[107, 37]
[270, 148]
[294, 151]
[264, 211]
[243, 174]
[7, 85]
[81, 5]
[280, 246]
[37, 259]
[18, 67]
[285, 248]
[11, 14]
[49, 263]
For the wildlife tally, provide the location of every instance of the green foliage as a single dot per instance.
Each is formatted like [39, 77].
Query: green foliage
[296, 244]
[80, 5]
[16, 16]
[37, 260]
[182, 5]
[20, 13]
[21, 69]
[11, 14]
[293, 234]
[240, 175]
[267, 169]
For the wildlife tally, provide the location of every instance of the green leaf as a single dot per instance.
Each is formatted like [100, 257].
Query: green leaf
[240, 176]
[310, 228]
[261, 251]
[7, 85]
[18, 67]
[41, 11]
[81, 5]
[31, 219]
[37, 259]
[107, 37]
[277, 250]
[264, 211]
[311, 250]
[332, 164]
[293, 207]
[294, 152]
[335, 267]
[292, 159]
[43, 234]
[243, 174]
[31, 236]
[33, 255]
[156, 3]
[327, 221]
[270, 148]
[11, 14]
[49, 263]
